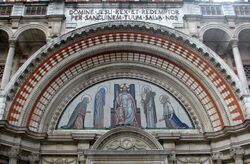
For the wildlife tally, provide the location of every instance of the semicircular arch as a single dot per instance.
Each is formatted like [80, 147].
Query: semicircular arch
[240, 28]
[7, 30]
[26, 27]
[191, 52]
[211, 26]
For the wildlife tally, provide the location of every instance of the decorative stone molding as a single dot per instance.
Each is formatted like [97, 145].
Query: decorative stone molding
[59, 160]
[192, 159]
[128, 157]
[128, 144]
[127, 139]
[32, 157]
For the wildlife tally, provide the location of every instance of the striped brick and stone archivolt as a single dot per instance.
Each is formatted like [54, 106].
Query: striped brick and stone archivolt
[213, 79]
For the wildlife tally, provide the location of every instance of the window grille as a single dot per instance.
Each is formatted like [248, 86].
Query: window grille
[36, 10]
[242, 10]
[1, 71]
[211, 10]
[5, 10]
[247, 71]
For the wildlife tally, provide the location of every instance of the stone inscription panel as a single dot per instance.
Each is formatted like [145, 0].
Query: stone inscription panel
[78, 16]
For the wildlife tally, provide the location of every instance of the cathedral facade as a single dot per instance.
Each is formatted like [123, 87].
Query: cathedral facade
[124, 82]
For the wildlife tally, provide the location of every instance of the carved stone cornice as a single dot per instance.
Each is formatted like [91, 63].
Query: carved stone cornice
[32, 157]
[193, 159]
[229, 130]
[115, 153]
[206, 137]
[5, 126]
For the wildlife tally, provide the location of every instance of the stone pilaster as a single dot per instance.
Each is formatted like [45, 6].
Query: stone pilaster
[82, 146]
[8, 64]
[239, 65]
[55, 16]
[17, 13]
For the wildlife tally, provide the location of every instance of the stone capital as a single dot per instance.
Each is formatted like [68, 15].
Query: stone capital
[217, 156]
[234, 43]
[33, 157]
[12, 43]
[81, 158]
[237, 152]
[172, 157]
[13, 152]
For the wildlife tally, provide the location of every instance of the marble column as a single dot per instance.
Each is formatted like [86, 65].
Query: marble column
[8, 64]
[239, 65]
